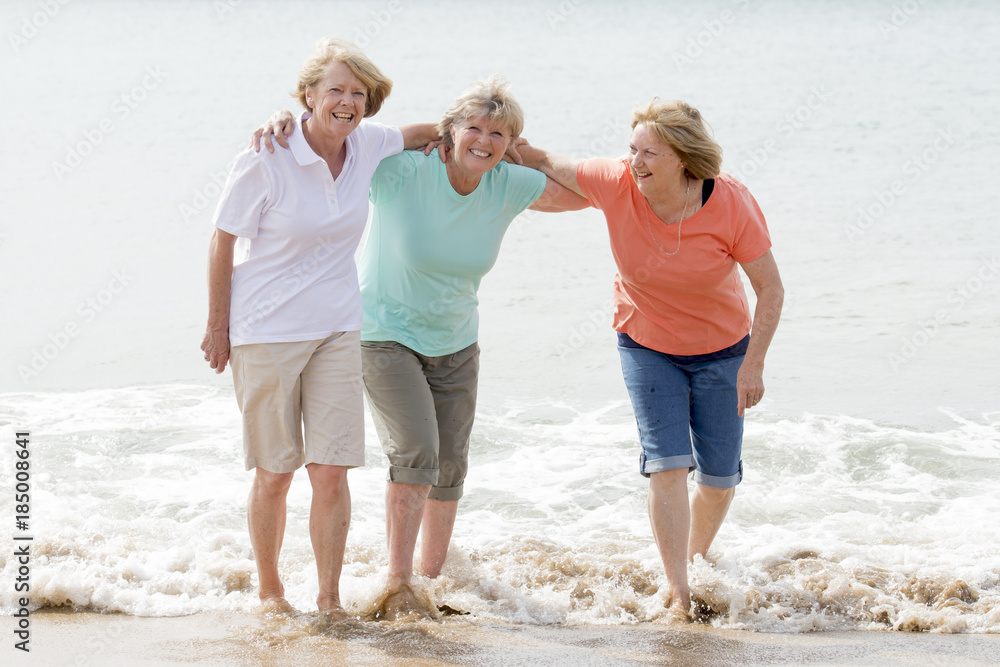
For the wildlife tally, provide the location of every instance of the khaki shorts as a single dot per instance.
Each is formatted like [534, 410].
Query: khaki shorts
[423, 409]
[283, 388]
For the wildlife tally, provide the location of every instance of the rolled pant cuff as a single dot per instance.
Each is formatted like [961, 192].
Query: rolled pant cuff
[647, 467]
[719, 482]
[446, 493]
[416, 476]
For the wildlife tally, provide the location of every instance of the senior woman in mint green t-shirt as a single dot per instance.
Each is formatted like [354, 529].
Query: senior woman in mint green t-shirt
[436, 231]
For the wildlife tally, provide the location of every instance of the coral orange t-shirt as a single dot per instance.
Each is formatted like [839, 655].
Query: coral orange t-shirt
[691, 302]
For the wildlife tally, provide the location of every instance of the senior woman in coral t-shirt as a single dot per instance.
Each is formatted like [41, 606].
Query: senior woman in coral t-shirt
[679, 230]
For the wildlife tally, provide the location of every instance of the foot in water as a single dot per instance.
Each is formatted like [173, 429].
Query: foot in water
[330, 604]
[331, 622]
[677, 616]
[676, 611]
[401, 601]
[334, 614]
[275, 605]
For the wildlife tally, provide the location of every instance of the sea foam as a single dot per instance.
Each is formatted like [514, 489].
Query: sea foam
[840, 523]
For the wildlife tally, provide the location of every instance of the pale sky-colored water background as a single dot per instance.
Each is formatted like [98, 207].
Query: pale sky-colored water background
[839, 101]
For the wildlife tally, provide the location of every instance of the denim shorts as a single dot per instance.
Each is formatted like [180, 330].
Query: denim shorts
[686, 414]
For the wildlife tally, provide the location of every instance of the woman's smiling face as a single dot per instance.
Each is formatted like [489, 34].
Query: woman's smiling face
[338, 100]
[654, 165]
[479, 143]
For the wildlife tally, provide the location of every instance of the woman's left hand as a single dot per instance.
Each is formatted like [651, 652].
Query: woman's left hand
[749, 386]
[423, 137]
[513, 155]
[280, 125]
[443, 150]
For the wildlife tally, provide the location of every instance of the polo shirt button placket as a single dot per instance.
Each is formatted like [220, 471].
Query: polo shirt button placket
[331, 195]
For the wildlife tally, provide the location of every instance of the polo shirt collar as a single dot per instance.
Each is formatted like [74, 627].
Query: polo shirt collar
[304, 154]
[300, 148]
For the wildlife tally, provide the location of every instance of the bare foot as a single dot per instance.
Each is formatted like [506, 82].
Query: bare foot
[678, 606]
[329, 603]
[401, 601]
[334, 614]
[679, 599]
[275, 605]
[677, 616]
[329, 621]
[271, 592]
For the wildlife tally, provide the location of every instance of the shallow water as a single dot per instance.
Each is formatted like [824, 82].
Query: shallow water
[842, 523]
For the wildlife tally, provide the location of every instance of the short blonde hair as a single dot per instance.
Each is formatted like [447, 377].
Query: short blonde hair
[490, 97]
[329, 50]
[680, 126]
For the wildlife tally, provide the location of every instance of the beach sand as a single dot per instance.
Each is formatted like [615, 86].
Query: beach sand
[84, 639]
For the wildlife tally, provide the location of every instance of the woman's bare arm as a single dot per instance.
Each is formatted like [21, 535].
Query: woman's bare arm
[559, 168]
[281, 125]
[215, 344]
[556, 199]
[766, 283]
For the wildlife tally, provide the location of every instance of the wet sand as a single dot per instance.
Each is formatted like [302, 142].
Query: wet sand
[83, 639]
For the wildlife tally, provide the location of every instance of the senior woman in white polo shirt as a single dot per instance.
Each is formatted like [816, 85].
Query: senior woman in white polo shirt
[286, 317]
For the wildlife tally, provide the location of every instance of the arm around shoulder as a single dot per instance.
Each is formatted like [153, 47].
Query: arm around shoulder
[557, 198]
[418, 135]
[559, 168]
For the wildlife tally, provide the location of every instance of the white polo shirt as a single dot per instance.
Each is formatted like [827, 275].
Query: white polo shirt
[295, 278]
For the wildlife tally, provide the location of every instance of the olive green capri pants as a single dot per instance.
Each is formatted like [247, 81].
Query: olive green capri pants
[423, 409]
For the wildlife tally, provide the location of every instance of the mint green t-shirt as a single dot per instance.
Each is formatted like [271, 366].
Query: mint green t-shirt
[429, 247]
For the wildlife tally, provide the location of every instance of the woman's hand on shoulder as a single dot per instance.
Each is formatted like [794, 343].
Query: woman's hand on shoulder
[281, 125]
[443, 150]
[520, 151]
[513, 153]
[559, 168]
[423, 137]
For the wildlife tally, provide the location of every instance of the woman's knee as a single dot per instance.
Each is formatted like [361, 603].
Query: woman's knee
[272, 483]
[666, 479]
[714, 494]
[327, 477]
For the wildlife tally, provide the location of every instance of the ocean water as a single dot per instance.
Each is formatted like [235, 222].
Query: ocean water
[866, 132]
